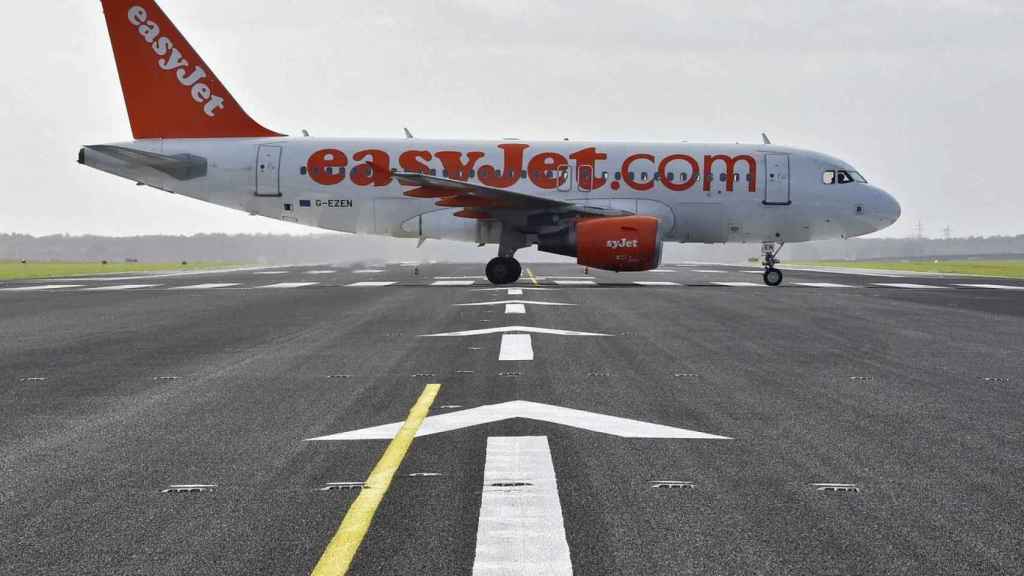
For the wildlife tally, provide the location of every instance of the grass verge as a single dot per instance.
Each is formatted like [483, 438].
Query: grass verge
[15, 270]
[993, 268]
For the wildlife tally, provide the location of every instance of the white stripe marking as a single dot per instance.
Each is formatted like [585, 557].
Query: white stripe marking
[822, 285]
[321, 272]
[369, 271]
[271, 272]
[514, 308]
[515, 291]
[371, 284]
[521, 529]
[641, 283]
[453, 283]
[290, 285]
[117, 287]
[203, 286]
[575, 282]
[710, 271]
[516, 347]
[460, 278]
[738, 284]
[905, 285]
[992, 286]
[41, 287]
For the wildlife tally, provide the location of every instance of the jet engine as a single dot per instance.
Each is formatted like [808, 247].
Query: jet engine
[619, 244]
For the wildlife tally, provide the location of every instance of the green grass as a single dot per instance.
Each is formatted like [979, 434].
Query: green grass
[15, 270]
[993, 268]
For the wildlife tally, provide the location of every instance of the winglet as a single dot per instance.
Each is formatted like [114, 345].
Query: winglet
[169, 90]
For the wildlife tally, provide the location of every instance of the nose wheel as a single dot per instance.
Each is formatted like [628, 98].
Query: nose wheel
[503, 270]
[769, 258]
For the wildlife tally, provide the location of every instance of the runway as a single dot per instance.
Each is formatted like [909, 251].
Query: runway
[682, 421]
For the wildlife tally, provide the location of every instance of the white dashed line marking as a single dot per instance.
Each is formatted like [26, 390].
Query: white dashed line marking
[516, 347]
[645, 283]
[515, 309]
[521, 530]
[709, 271]
[822, 285]
[500, 302]
[368, 271]
[371, 284]
[992, 286]
[738, 284]
[41, 287]
[290, 285]
[321, 272]
[905, 285]
[204, 286]
[453, 283]
[575, 282]
[117, 287]
[271, 272]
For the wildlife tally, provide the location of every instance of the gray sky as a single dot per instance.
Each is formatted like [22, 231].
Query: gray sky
[923, 96]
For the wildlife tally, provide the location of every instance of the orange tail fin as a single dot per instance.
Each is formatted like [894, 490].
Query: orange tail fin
[168, 89]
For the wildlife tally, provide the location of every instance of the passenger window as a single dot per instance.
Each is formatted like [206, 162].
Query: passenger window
[632, 176]
[671, 176]
[302, 170]
[433, 172]
[682, 176]
[828, 177]
[444, 173]
[722, 176]
[472, 173]
[618, 175]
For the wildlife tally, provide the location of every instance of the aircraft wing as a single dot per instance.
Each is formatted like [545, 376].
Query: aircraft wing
[461, 194]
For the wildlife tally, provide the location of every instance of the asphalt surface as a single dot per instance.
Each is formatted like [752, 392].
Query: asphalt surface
[913, 394]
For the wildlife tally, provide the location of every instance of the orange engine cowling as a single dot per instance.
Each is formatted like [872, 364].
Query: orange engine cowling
[620, 244]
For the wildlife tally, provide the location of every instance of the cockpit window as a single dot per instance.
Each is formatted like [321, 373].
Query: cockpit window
[841, 177]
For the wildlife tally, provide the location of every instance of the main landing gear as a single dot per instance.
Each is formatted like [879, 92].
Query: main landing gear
[769, 258]
[503, 270]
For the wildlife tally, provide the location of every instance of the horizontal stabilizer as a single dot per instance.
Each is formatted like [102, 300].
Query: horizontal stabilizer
[178, 166]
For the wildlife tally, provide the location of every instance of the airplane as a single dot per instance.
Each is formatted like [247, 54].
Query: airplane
[610, 205]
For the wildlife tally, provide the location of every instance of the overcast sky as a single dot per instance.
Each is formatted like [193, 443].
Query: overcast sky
[923, 96]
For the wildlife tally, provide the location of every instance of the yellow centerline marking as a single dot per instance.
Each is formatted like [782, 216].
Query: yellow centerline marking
[532, 277]
[342, 549]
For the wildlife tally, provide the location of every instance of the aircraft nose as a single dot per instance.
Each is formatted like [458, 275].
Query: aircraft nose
[893, 209]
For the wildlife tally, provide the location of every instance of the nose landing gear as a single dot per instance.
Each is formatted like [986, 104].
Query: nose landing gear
[769, 258]
[503, 270]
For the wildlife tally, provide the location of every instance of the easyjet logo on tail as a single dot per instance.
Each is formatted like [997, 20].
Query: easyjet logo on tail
[170, 60]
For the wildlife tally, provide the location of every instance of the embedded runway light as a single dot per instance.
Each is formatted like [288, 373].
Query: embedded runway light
[672, 484]
[188, 488]
[331, 486]
[834, 487]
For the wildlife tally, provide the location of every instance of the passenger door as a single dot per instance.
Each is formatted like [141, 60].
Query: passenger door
[776, 190]
[268, 171]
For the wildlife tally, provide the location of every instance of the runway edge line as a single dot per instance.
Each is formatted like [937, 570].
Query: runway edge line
[341, 550]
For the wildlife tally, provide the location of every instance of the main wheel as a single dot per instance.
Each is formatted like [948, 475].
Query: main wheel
[773, 276]
[503, 270]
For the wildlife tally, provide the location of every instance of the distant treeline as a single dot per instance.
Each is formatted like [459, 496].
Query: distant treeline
[340, 248]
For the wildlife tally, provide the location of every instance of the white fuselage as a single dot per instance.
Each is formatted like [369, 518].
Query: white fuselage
[769, 194]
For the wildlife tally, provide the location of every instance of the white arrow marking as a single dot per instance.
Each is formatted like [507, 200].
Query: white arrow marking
[521, 530]
[41, 287]
[622, 427]
[117, 287]
[506, 329]
[499, 302]
[992, 286]
[906, 285]
[516, 347]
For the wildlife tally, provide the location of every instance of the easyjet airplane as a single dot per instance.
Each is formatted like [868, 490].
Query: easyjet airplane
[609, 205]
